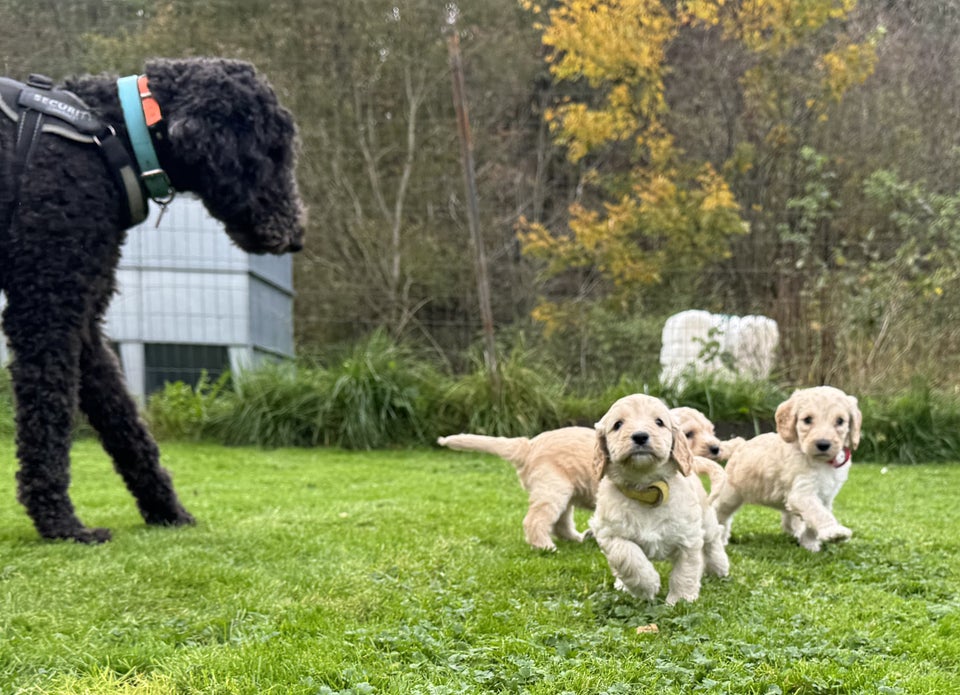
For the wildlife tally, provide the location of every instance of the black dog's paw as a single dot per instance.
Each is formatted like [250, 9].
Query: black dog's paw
[94, 536]
[171, 517]
[81, 534]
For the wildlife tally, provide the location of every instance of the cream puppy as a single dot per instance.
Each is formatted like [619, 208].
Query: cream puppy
[649, 506]
[555, 468]
[704, 444]
[698, 430]
[800, 468]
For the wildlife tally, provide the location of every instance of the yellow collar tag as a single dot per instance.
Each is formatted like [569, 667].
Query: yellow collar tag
[656, 494]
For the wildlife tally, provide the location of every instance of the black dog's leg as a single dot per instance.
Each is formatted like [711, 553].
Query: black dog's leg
[45, 378]
[113, 414]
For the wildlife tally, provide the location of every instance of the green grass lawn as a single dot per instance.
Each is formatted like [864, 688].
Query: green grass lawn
[406, 572]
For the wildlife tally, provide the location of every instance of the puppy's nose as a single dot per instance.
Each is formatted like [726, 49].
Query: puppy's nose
[640, 438]
[714, 449]
[823, 444]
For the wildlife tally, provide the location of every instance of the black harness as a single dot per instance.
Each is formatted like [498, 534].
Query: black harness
[39, 109]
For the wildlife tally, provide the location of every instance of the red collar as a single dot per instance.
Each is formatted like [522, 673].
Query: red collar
[842, 459]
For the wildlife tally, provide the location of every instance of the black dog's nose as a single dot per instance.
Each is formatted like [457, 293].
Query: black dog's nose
[823, 444]
[640, 438]
[715, 449]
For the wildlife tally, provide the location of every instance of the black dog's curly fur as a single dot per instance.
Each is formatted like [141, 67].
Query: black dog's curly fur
[230, 142]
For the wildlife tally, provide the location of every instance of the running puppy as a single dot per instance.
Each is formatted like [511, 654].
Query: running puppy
[649, 506]
[555, 468]
[800, 468]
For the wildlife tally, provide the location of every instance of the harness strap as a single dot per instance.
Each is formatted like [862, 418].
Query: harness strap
[125, 174]
[28, 128]
[41, 109]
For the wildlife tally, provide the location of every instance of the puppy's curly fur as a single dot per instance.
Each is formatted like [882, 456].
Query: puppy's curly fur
[638, 445]
[800, 468]
[231, 143]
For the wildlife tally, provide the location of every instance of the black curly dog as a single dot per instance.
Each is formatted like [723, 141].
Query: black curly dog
[62, 223]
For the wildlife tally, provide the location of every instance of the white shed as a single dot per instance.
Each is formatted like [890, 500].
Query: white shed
[190, 301]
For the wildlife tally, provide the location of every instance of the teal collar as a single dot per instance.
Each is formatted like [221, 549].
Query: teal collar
[133, 94]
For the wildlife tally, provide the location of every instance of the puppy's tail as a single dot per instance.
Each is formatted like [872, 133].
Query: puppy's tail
[729, 447]
[513, 449]
[714, 471]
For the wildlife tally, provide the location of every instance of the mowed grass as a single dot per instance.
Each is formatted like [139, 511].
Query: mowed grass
[319, 571]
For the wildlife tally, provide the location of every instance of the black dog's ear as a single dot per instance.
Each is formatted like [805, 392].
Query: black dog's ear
[184, 129]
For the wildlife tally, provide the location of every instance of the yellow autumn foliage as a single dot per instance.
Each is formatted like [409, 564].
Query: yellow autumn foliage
[664, 211]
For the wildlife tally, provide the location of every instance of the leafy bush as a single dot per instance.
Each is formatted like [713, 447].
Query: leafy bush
[376, 396]
[380, 394]
[917, 426]
[730, 402]
[272, 406]
[181, 411]
[526, 401]
[592, 344]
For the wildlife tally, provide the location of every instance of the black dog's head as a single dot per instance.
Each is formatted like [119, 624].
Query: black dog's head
[231, 142]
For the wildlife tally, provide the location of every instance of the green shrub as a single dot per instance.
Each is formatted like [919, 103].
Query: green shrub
[917, 426]
[526, 401]
[182, 411]
[379, 395]
[273, 405]
[726, 401]
[375, 396]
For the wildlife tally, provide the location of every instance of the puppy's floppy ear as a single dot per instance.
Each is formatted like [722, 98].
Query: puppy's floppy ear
[786, 417]
[680, 450]
[856, 421]
[601, 454]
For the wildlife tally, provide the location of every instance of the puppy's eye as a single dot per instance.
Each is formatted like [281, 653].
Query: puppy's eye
[808, 420]
[659, 422]
[690, 434]
[617, 425]
[839, 421]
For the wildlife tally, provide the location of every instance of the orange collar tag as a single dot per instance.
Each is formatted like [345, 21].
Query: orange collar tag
[151, 109]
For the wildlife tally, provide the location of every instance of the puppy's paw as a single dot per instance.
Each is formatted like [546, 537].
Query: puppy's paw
[689, 596]
[833, 534]
[646, 590]
[718, 567]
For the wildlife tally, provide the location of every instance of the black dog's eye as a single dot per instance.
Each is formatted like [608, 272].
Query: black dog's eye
[617, 425]
[660, 423]
[839, 421]
[808, 420]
